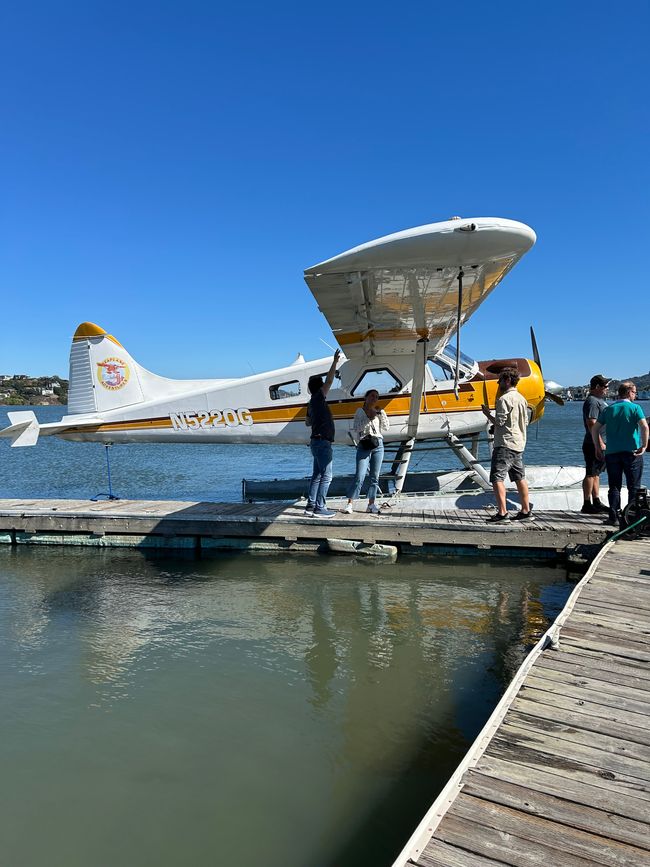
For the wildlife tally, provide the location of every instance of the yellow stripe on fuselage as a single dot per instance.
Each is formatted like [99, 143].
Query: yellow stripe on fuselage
[471, 397]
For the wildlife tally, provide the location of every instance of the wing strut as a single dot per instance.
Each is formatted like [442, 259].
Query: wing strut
[458, 314]
[403, 456]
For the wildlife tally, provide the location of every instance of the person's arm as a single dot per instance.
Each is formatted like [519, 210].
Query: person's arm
[329, 379]
[360, 421]
[599, 445]
[643, 427]
[501, 413]
[486, 412]
[384, 424]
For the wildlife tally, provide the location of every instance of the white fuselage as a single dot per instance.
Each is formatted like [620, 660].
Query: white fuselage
[270, 408]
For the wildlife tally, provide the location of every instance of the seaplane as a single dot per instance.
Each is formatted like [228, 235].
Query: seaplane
[394, 306]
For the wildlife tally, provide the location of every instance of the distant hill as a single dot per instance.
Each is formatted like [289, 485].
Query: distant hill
[642, 383]
[21, 390]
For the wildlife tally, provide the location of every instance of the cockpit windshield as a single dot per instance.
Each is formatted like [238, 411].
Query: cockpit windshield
[443, 365]
[449, 354]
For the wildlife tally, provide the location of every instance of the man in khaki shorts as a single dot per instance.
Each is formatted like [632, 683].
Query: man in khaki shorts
[510, 422]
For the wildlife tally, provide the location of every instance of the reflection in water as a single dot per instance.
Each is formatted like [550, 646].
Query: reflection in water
[321, 701]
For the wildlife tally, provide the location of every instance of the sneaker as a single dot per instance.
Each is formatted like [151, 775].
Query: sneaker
[599, 507]
[372, 510]
[323, 513]
[612, 521]
[348, 509]
[498, 519]
[308, 513]
[588, 509]
[524, 516]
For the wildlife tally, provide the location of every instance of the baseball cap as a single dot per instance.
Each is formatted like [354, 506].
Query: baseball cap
[599, 380]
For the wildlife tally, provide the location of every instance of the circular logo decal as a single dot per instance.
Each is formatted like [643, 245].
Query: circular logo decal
[113, 373]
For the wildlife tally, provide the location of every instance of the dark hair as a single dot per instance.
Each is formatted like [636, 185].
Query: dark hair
[512, 373]
[371, 391]
[315, 383]
[625, 388]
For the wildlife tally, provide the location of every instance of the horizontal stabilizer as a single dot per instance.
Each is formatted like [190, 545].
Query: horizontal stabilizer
[24, 429]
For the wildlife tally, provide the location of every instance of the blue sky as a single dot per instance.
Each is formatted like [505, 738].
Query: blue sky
[169, 169]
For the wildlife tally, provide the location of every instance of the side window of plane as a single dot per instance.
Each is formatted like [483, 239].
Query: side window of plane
[381, 379]
[439, 372]
[284, 389]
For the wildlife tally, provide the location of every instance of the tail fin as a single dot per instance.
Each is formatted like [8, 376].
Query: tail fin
[103, 376]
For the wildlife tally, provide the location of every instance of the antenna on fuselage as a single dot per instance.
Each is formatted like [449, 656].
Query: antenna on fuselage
[327, 344]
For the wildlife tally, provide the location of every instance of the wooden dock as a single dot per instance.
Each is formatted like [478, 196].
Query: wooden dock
[560, 775]
[410, 524]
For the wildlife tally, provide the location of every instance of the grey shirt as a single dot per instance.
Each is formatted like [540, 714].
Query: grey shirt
[591, 409]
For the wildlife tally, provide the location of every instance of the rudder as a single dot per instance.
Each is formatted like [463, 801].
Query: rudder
[103, 376]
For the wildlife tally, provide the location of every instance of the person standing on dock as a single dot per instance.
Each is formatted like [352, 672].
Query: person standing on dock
[319, 418]
[592, 407]
[626, 430]
[370, 424]
[510, 422]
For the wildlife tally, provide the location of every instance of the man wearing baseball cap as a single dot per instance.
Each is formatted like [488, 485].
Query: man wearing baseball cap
[591, 409]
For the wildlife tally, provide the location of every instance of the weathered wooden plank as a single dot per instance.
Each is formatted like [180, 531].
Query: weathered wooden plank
[592, 641]
[581, 720]
[609, 625]
[558, 662]
[624, 581]
[581, 749]
[602, 601]
[544, 699]
[576, 734]
[612, 598]
[600, 685]
[609, 618]
[558, 809]
[507, 848]
[623, 570]
[623, 553]
[630, 706]
[603, 660]
[545, 778]
[619, 635]
[439, 854]
[537, 830]
[542, 756]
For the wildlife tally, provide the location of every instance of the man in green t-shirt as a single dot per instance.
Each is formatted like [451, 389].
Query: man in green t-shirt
[626, 430]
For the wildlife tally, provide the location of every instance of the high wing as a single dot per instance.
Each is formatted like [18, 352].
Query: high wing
[382, 297]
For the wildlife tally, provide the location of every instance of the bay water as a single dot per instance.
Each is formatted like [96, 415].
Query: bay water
[296, 711]
[55, 468]
[241, 709]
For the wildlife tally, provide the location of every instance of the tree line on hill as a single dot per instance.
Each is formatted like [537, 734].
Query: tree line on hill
[23, 390]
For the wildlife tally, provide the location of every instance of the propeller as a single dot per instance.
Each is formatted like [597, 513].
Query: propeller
[549, 386]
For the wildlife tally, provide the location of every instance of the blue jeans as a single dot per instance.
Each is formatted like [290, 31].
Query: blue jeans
[617, 464]
[321, 475]
[367, 459]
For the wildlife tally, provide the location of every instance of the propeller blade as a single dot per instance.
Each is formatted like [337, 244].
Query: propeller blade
[554, 397]
[536, 356]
